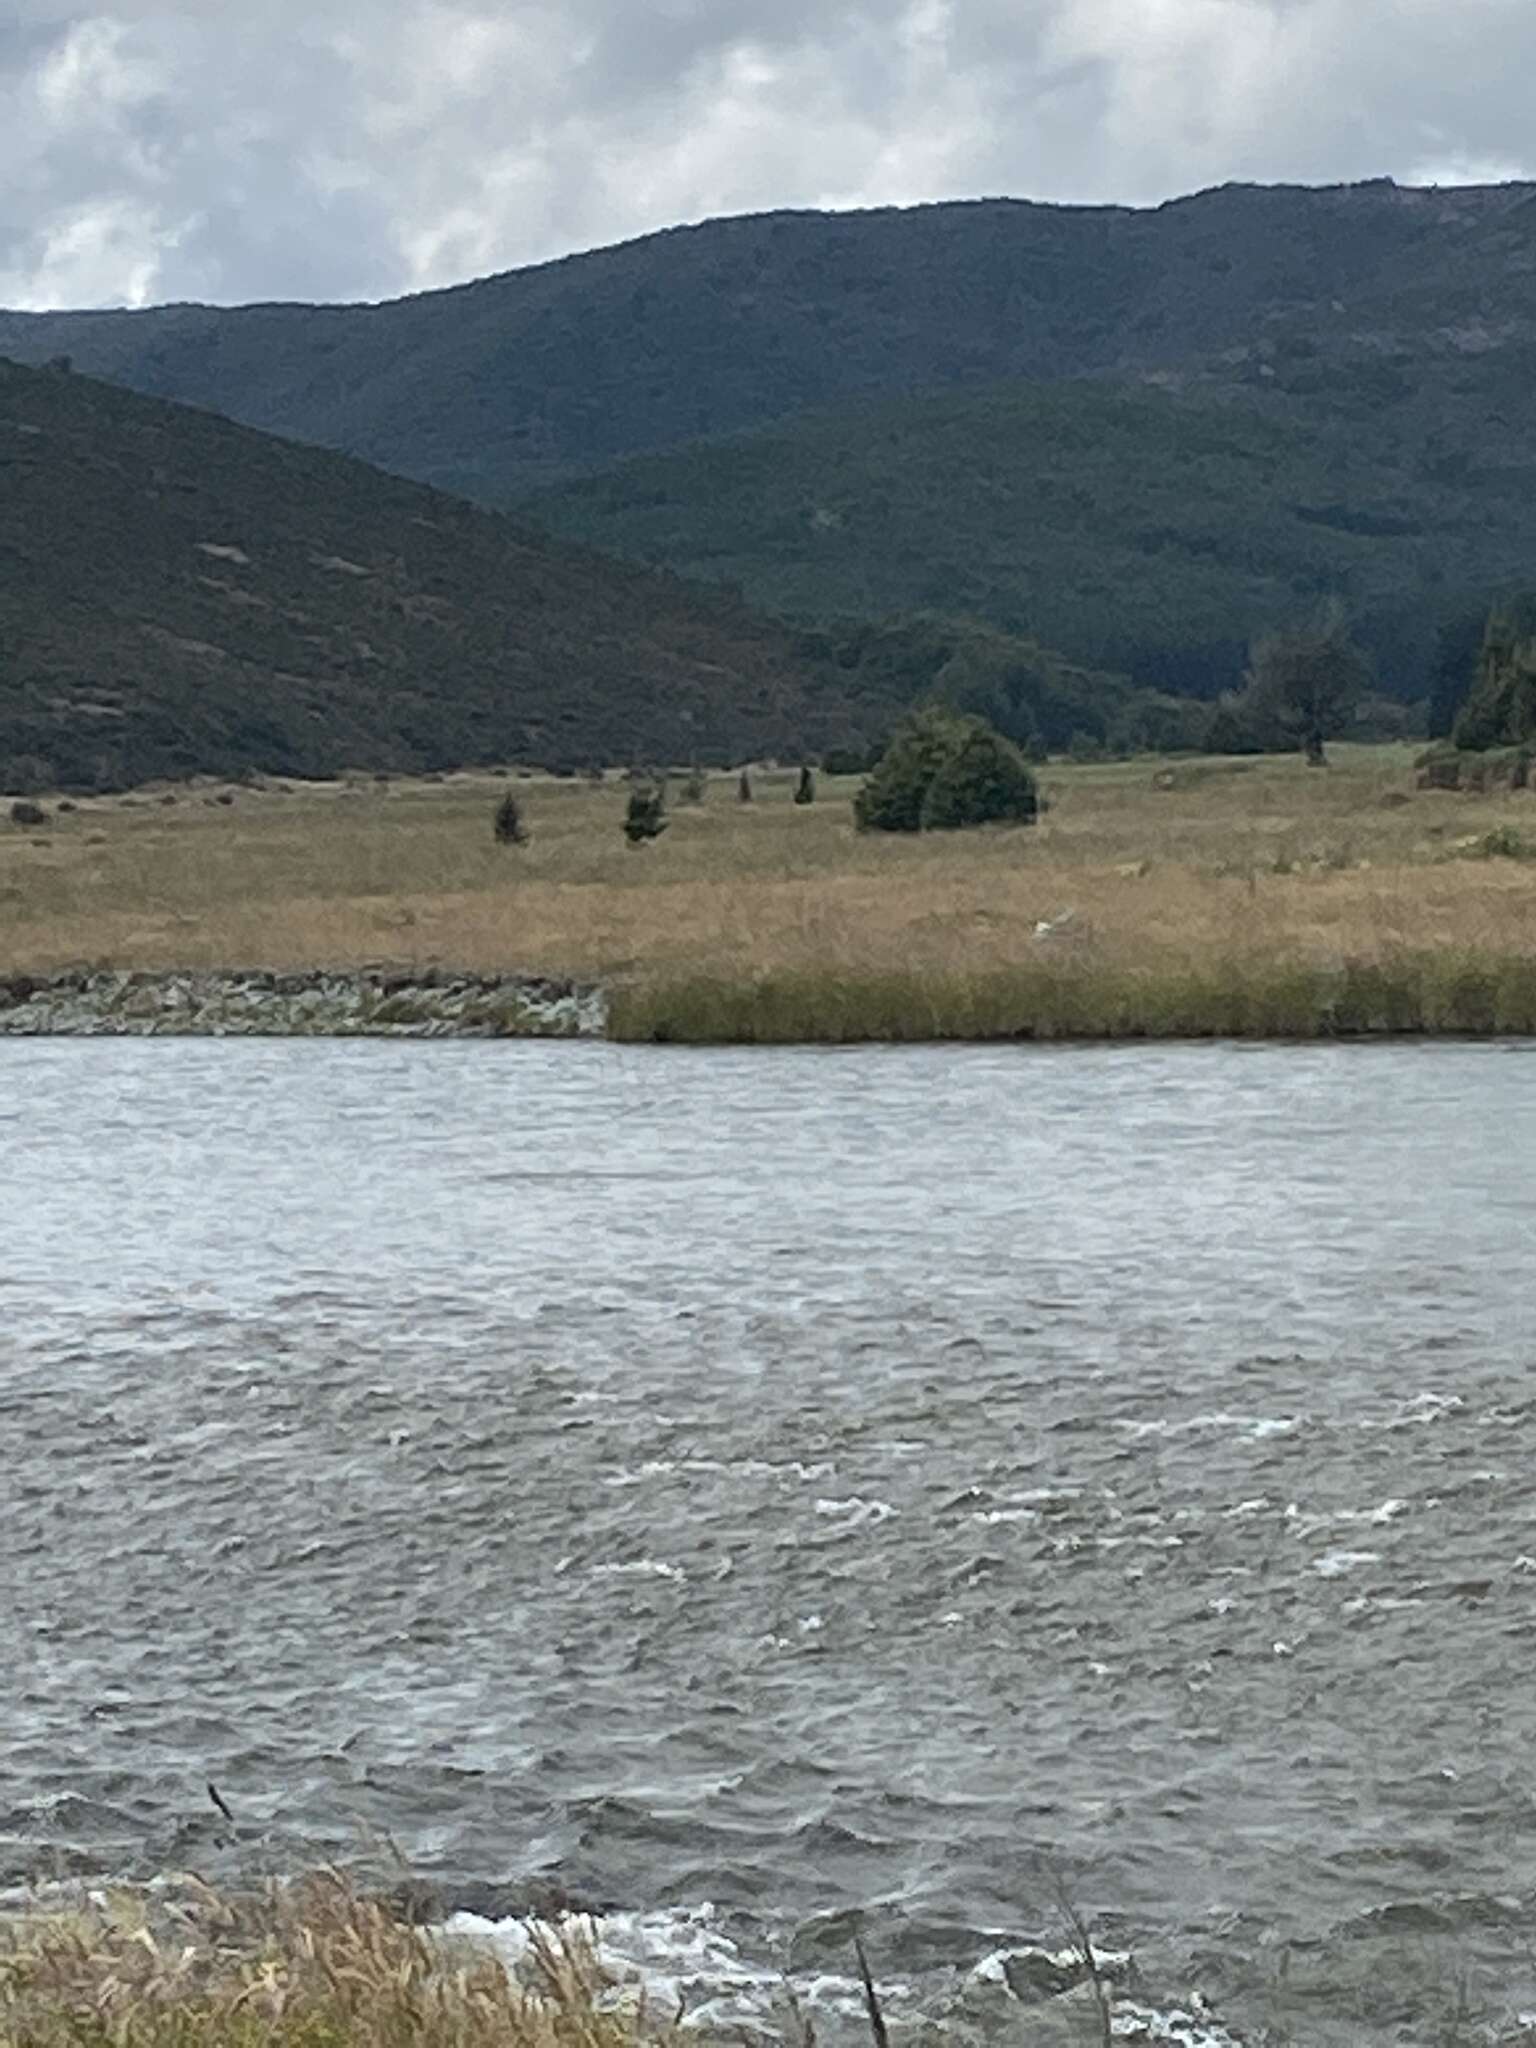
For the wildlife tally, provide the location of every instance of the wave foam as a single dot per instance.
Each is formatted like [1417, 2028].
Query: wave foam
[681, 1960]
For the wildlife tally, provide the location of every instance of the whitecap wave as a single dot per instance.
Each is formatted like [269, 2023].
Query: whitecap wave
[681, 1961]
[856, 1511]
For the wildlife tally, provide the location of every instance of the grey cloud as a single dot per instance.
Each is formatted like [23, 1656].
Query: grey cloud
[158, 151]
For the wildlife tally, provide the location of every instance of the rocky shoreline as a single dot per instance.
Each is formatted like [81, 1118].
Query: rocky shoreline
[370, 1002]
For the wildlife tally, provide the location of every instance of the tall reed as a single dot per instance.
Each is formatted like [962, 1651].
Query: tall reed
[313, 1965]
[1460, 992]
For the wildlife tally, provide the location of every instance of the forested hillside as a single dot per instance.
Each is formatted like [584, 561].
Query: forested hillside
[180, 595]
[1142, 436]
[1136, 529]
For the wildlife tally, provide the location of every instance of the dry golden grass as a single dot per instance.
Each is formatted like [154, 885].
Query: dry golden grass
[308, 1966]
[1186, 868]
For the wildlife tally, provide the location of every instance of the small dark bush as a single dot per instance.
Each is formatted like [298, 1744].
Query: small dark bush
[507, 822]
[645, 816]
[1502, 843]
[942, 772]
[25, 812]
[744, 788]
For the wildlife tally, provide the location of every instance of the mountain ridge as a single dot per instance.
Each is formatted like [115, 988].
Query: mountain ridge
[501, 385]
[1506, 192]
[1378, 339]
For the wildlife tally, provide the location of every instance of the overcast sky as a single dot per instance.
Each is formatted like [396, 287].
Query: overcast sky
[307, 149]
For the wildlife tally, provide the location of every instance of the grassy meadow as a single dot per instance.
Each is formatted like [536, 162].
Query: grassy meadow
[1186, 897]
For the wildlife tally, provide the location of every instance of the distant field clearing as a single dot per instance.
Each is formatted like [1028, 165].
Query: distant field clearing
[1141, 872]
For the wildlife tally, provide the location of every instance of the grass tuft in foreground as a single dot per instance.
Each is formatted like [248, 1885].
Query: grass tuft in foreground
[1447, 994]
[312, 1965]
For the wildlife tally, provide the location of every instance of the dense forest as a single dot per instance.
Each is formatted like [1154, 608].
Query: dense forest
[1151, 533]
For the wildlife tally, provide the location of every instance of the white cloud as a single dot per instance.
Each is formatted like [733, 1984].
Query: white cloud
[166, 151]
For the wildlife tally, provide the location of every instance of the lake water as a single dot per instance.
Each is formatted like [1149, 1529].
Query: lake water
[836, 1489]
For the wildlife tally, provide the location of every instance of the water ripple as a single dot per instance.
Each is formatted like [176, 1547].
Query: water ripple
[818, 1484]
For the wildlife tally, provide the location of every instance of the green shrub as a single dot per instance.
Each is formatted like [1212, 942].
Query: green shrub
[1502, 843]
[645, 816]
[892, 798]
[941, 772]
[985, 781]
[507, 824]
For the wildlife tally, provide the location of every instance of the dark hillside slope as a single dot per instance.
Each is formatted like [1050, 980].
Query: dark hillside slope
[1132, 528]
[179, 594]
[499, 387]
